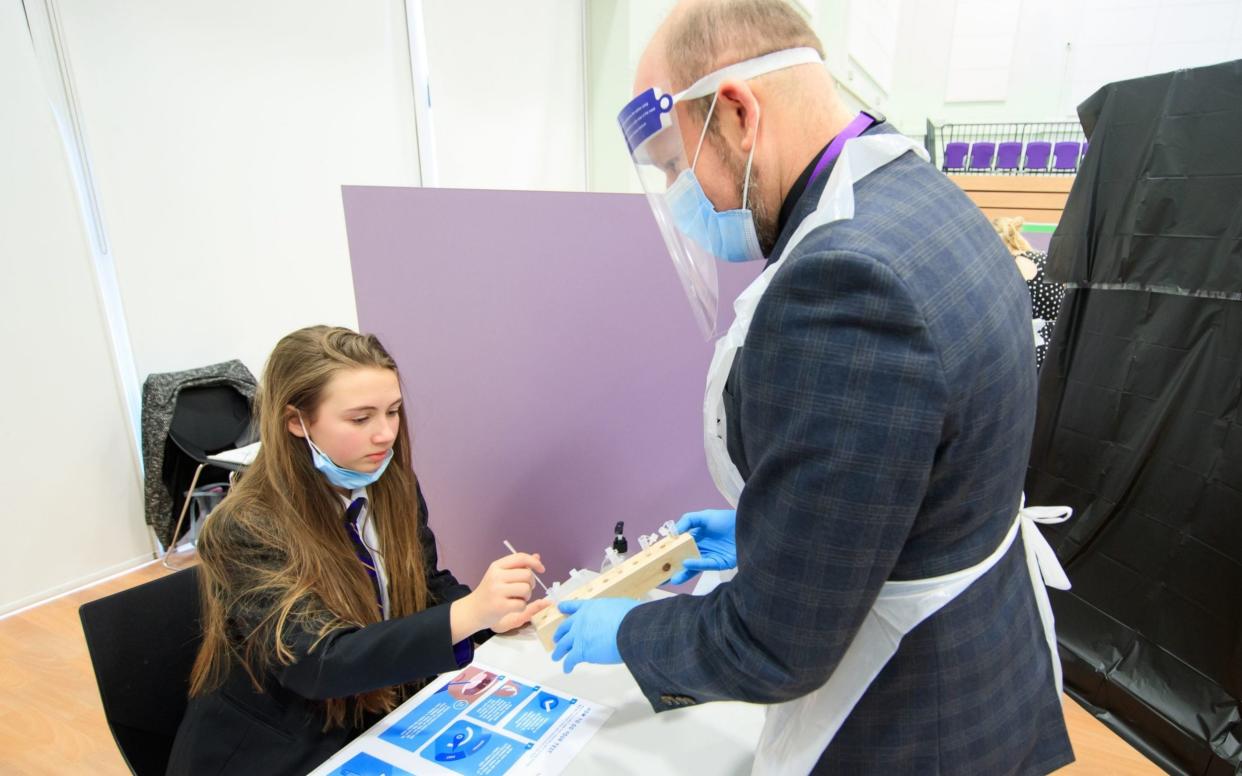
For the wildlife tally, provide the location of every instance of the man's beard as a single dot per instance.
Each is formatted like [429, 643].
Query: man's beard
[765, 221]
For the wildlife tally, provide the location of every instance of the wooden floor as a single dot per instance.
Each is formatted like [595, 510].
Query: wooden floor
[51, 721]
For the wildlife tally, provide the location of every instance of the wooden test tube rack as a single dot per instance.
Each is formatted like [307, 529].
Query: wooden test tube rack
[633, 578]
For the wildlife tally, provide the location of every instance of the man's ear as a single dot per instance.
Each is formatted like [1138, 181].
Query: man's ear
[293, 423]
[737, 109]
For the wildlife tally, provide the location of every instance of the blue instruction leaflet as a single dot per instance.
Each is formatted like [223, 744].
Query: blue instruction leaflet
[537, 717]
[507, 697]
[472, 749]
[441, 707]
[363, 764]
[476, 722]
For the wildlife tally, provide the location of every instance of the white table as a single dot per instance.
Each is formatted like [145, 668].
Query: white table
[714, 738]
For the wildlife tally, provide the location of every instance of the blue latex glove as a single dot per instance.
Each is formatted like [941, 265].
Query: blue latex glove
[714, 530]
[589, 634]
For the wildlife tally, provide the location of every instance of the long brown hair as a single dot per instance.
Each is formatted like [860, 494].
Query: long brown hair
[275, 553]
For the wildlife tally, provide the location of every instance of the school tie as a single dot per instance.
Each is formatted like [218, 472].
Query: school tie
[360, 548]
[463, 651]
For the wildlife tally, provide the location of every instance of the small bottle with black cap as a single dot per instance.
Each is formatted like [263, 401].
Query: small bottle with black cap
[616, 553]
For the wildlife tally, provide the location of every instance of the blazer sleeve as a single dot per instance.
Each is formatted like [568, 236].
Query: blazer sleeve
[842, 403]
[351, 660]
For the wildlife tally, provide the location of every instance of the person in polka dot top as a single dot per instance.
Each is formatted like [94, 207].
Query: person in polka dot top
[1045, 296]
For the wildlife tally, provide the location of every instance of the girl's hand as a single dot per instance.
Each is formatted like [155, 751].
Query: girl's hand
[518, 619]
[504, 590]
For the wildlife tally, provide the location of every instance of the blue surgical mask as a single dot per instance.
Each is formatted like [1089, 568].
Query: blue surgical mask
[351, 479]
[729, 235]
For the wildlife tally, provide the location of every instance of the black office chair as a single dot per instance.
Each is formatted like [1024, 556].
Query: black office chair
[206, 420]
[142, 643]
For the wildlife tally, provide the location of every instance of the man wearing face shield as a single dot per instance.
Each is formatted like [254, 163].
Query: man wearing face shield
[868, 414]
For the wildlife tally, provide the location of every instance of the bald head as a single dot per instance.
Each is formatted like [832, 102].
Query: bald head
[799, 105]
[700, 36]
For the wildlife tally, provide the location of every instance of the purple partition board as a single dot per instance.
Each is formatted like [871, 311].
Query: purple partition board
[1038, 240]
[553, 372]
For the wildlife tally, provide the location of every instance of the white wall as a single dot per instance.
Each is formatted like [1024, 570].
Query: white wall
[72, 504]
[1033, 60]
[845, 28]
[1063, 51]
[871, 37]
[617, 32]
[507, 93]
[220, 135]
[1116, 40]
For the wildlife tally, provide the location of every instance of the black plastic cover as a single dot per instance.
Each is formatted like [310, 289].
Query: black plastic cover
[1138, 425]
[1158, 201]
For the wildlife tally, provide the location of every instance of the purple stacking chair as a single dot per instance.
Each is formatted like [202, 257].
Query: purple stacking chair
[1007, 155]
[954, 156]
[1037, 153]
[981, 156]
[1065, 155]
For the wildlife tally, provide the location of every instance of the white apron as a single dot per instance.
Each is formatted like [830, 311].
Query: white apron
[797, 732]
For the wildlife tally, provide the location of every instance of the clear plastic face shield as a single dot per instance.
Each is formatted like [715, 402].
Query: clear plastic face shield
[695, 234]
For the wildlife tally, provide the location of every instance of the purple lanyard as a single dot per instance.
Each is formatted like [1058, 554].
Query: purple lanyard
[859, 125]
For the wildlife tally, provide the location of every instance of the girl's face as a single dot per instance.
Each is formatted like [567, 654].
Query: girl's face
[356, 424]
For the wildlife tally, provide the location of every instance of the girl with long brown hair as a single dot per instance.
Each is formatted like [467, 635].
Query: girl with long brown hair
[323, 606]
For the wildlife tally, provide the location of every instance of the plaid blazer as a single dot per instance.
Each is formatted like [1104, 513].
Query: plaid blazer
[881, 413]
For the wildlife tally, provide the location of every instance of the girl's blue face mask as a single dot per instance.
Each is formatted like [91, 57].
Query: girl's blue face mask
[729, 235]
[350, 479]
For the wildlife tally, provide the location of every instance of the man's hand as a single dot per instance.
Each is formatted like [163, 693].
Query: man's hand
[589, 634]
[714, 531]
